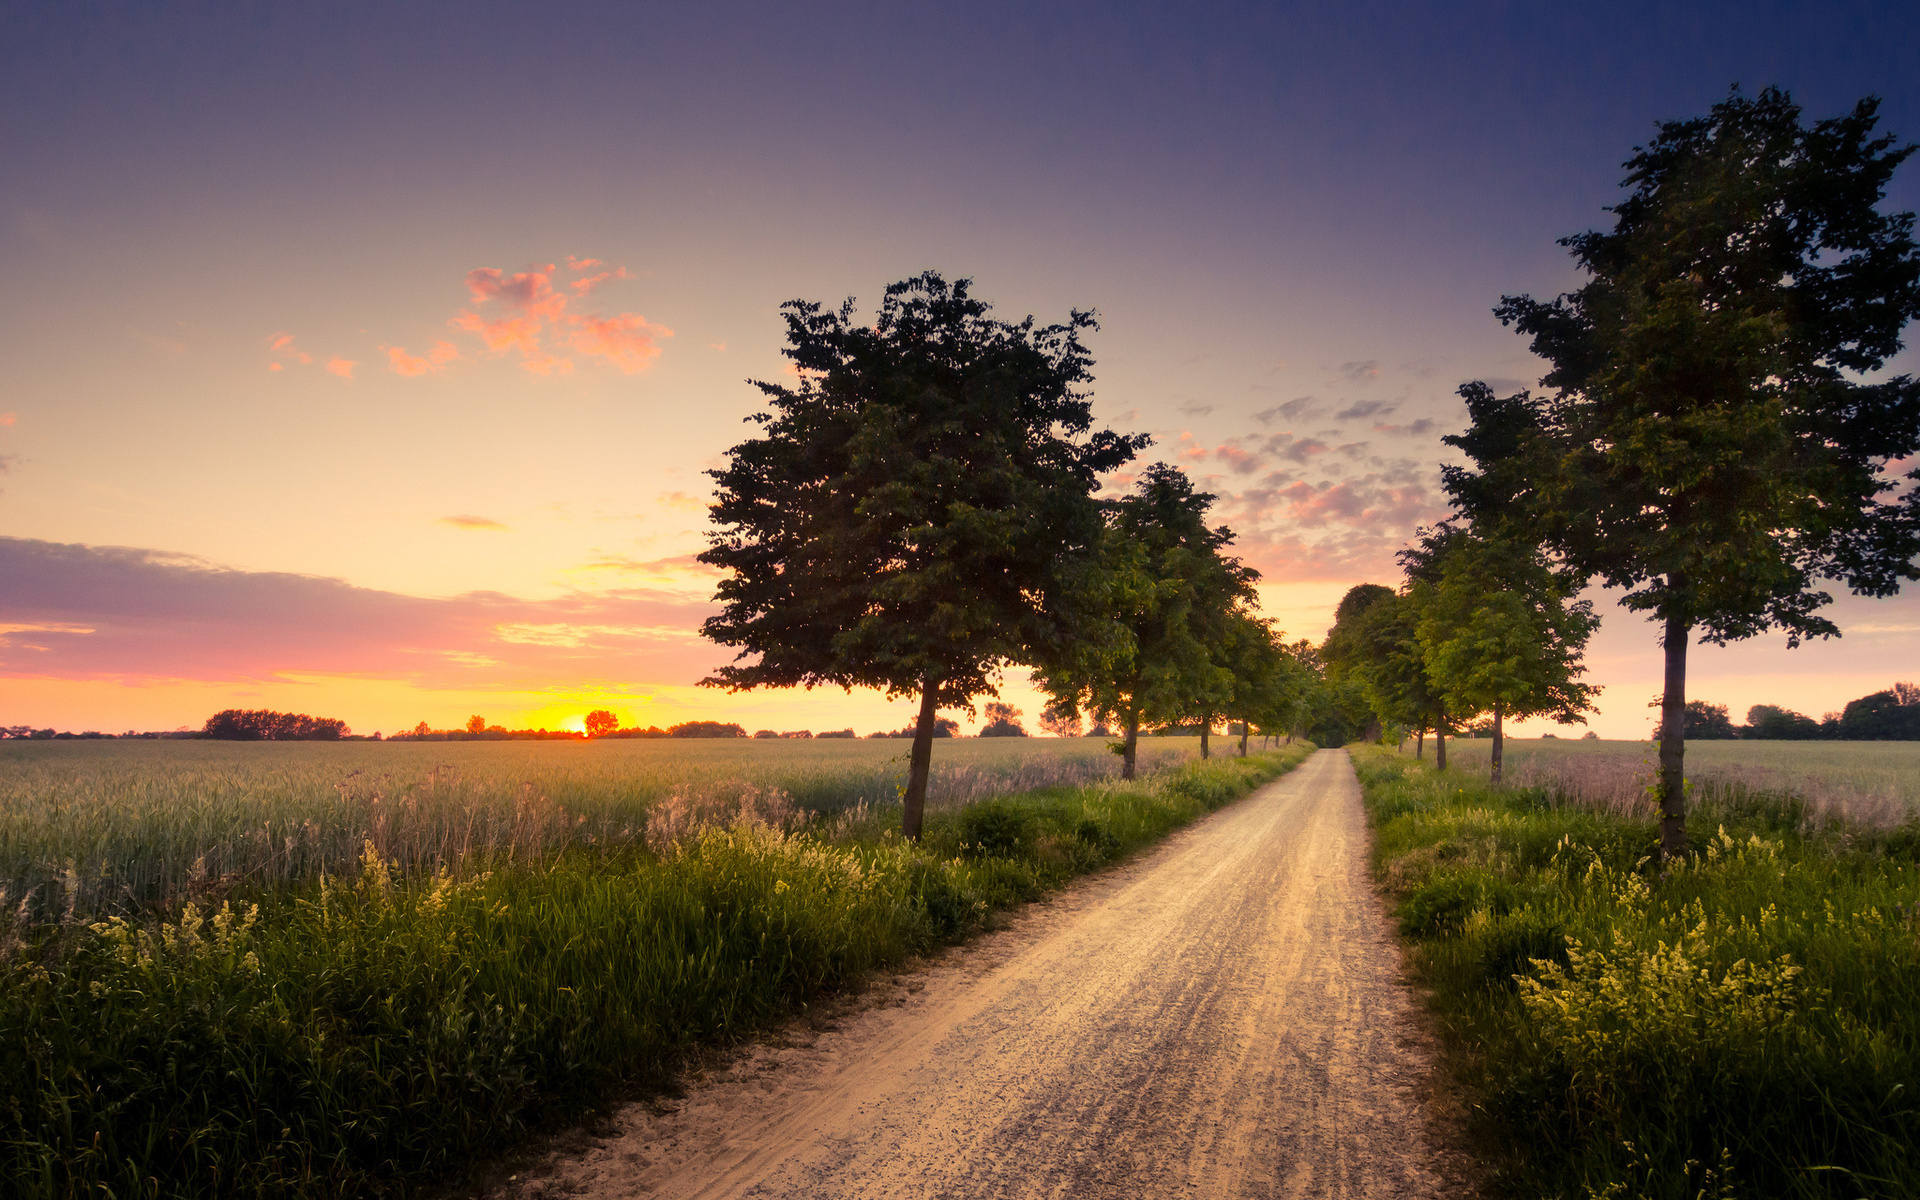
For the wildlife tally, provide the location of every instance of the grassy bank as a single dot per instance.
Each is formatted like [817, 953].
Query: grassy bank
[342, 1035]
[1745, 1023]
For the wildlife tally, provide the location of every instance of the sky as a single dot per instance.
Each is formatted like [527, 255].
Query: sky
[367, 360]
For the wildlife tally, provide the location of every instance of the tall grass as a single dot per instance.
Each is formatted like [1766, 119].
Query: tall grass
[352, 1034]
[118, 827]
[1874, 784]
[1743, 1022]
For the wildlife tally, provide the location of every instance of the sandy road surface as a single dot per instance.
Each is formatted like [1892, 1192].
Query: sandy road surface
[1220, 1018]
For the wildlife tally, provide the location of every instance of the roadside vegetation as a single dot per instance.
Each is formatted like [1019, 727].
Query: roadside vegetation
[355, 1031]
[1742, 1021]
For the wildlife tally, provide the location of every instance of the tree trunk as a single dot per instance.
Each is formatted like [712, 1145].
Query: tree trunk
[1440, 744]
[1499, 743]
[920, 762]
[1673, 739]
[1128, 747]
[1246, 728]
[1420, 744]
[1206, 727]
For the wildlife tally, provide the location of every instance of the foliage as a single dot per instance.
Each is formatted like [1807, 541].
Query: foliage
[1003, 720]
[1170, 600]
[1709, 721]
[1771, 722]
[1499, 631]
[355, 1034]
[1060, 722]
[919, 510]
[1751, 1011]
[598, 723]
[707, 729]
[259, 725]
[1709, 445]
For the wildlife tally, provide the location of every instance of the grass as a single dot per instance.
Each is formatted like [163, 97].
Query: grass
[1864, 783]
[111, 827]
[367, 1031]
[1745, 1022]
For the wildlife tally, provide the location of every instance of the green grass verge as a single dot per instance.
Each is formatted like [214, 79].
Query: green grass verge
[364, 1034]
[1744, 1023]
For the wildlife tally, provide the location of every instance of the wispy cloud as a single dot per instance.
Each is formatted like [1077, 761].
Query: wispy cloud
[1304, 408]
[467, 521]
[1360, 409]
[343, 367]
[433, 361]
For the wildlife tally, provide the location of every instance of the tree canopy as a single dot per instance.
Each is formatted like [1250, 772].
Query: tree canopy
[918, 511]
[1170, 599]
[1708, 442]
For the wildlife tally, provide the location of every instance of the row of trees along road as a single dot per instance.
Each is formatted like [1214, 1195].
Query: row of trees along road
[1713, 438]
[920, 511]
[1483, 627]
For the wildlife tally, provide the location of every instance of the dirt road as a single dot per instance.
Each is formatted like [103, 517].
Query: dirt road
[1221, 1018]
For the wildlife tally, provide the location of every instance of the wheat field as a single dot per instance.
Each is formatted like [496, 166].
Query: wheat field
[90, 828]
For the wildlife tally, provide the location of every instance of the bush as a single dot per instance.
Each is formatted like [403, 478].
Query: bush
[995, 829]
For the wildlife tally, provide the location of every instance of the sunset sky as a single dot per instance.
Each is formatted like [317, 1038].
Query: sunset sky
[365, 359]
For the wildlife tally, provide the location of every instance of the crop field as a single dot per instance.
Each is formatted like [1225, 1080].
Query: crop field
[1743, 1021]
[350, 970]
[1875, 784]
[99, 828]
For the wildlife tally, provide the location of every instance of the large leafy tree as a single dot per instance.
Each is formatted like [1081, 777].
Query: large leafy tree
[1712, 441]
[918, 510]
[1499, 632]
[1170, 600]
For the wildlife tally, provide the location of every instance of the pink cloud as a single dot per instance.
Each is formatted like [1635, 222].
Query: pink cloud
[468, 521]
[525, 313]
[281, 345]
[626, 341]
[343, 367]
[433, 361]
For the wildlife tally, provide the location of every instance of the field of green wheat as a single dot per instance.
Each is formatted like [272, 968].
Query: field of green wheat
[109, 827]
[1741, 1022]
[1869, 783]
[359, 970]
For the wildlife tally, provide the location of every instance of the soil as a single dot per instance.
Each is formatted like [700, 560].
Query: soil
[1223, 1016]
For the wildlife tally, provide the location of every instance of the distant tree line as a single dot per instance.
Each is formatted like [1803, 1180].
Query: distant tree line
[1889, 716]
[262, 725]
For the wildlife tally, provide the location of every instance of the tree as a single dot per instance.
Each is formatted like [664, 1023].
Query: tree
[1892, 715]
[1059, 722]
[477, 724]
[718, 729]
[1707, 443]
[1266, 680]
[599, 723]
[1375, 643]
[919, 509]
[1500, 634]
[1165, 591]
[1003, 720]
[1769, 722]
[1709, 722]
[260, 725]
